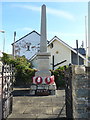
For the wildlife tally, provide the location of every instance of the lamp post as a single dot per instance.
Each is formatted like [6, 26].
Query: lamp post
[2, 31]
[77, 52]
[86, 39]
[14, 44]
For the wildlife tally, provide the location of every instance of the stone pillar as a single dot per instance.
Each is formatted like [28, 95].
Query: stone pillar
[88, 32]
[80, 92]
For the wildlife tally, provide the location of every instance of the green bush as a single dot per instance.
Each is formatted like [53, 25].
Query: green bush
[23, 70]
[59, 76]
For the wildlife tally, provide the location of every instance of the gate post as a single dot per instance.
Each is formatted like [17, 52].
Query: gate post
[80, 95]
[78, 92]
[68, 93]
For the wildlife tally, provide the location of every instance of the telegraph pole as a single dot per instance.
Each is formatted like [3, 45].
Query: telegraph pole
[14, 44]
[77, 52]
[2, 31]
[86, 38]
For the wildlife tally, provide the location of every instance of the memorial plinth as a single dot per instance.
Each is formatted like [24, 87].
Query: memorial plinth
[43, 64]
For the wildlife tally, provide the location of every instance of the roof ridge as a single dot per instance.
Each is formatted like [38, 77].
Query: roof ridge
[26, 35]
[64, 44]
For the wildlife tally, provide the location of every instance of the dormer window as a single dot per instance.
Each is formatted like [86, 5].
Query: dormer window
[28, 46]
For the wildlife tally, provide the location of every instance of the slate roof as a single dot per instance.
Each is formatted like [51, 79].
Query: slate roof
[81, 51]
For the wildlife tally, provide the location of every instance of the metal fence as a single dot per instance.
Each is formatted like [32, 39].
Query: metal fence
[6, 88]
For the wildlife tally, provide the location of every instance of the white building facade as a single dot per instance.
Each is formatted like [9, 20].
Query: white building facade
[29, 45]
[59, 51]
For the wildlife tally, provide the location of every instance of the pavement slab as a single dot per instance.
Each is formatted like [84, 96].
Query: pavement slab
[36, 107]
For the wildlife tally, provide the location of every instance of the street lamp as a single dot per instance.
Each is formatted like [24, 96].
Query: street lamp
[14, 44]
[2, 31]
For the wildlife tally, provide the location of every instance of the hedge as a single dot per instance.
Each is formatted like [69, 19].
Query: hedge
[59, 76]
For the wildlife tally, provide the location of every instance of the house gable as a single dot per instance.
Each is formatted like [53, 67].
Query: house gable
[27, 36]
[65, 44]
[65, 52]
[27, 45]
[60, 53]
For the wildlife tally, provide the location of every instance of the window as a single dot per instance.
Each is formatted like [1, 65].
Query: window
[57, 52]
[51, 45]
[28, 46]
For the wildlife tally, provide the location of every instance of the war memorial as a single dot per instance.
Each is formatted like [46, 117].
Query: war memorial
[77, 89]
[43, 82]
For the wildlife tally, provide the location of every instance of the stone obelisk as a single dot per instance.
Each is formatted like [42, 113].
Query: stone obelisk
[43, 39]
[43, 55]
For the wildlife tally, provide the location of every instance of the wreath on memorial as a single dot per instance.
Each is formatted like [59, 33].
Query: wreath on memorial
[48, 80]
[38, 80]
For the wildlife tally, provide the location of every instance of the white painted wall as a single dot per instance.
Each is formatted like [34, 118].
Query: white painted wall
[21, 46]
[64, 53]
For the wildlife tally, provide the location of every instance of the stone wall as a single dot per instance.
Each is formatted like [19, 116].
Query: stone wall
[80, 91]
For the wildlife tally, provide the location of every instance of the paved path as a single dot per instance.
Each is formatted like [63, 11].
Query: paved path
[38, 106]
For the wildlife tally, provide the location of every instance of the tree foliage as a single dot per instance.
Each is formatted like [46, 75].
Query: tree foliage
[23, 69]
[59, 74]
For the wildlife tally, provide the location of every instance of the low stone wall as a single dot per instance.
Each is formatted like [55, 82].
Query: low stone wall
[80, 91]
